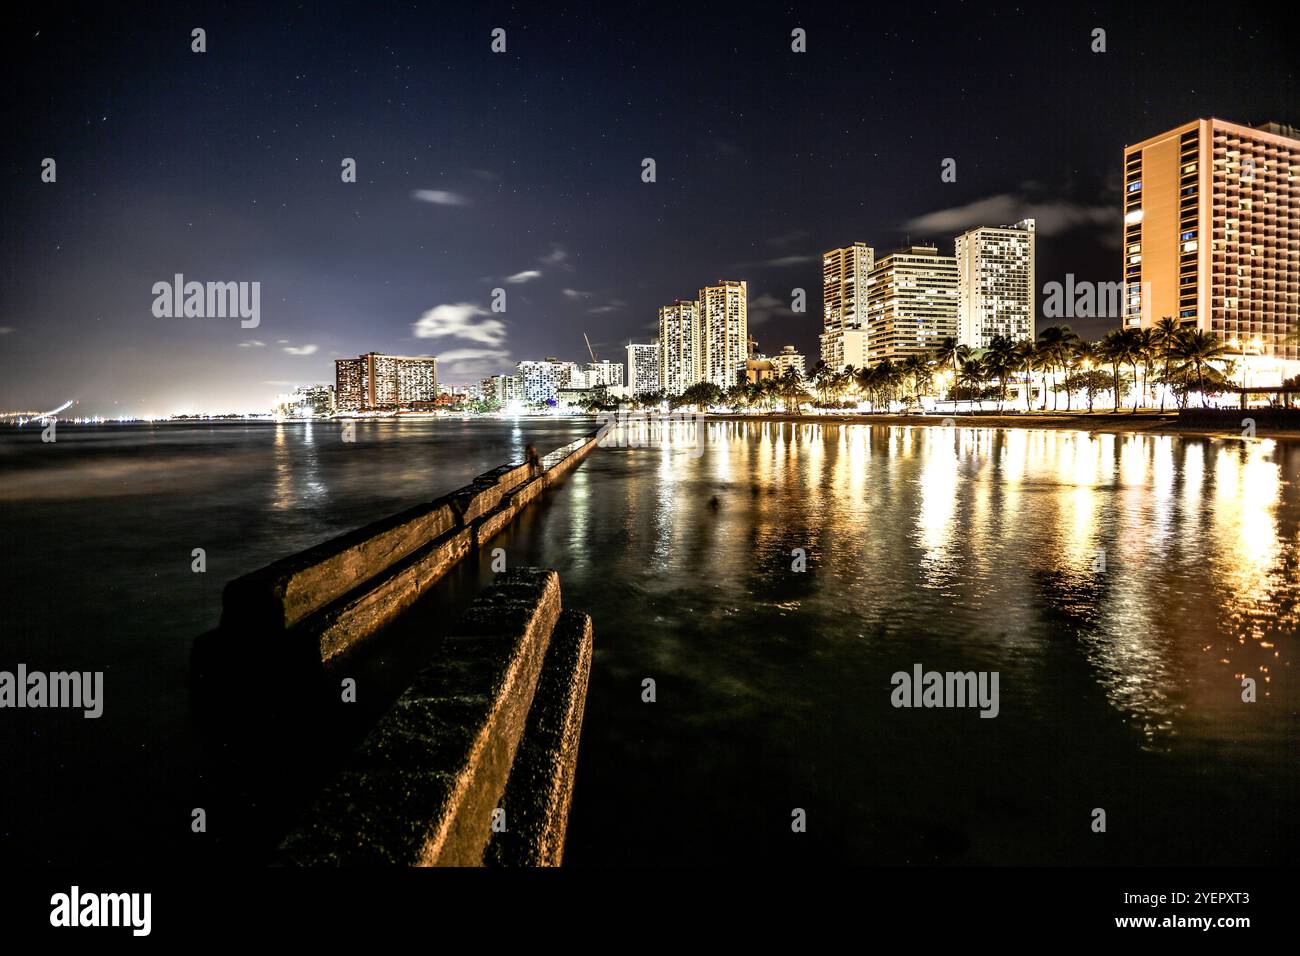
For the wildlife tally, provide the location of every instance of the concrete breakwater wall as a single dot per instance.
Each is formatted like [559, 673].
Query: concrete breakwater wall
[319, 602]
[471, 764]
[474, 764]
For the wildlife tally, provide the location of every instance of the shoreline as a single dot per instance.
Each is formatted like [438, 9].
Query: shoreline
[1093, 423]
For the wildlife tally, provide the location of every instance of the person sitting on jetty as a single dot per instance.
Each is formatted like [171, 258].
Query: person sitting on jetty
[533, 462]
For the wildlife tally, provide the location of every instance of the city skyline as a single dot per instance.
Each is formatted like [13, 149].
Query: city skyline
[986, 289]
[485, 177]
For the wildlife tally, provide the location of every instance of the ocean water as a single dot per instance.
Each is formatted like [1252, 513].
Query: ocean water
[770, 579]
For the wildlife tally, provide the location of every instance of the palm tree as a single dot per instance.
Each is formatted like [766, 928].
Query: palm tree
[790, 387]
[879, 382]
[1126, 349]
[1142, 349]
[1111, 349]
[1196, 348]
[1086, 356]
[1164, 336]
[1027, 360]
[916, 370]
[1000, 362]
[701, 394]
[950, 352]
[823, 379]
[1058, 343]
[972, 376]
[844, 379]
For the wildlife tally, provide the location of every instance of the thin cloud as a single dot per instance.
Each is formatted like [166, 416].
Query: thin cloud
[1051, 217]
[613, 306]
[6, 329]
[766, 306]
[458, 320]
[575, 294]
[440, 197]
[467, 355]
[790, 238]
[781, 262]
[526, 276]
[558, 256]
[252, 344]
[300, 349]
[472, 362]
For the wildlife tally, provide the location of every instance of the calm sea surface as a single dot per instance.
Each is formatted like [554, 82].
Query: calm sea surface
[1121, 587]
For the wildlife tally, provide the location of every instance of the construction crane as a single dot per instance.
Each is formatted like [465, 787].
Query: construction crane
[590, 351]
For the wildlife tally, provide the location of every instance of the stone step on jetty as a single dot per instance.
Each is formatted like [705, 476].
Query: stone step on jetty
[474, 764]
[318, 603]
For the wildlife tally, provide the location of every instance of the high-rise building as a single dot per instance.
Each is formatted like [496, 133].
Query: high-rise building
[724, 332]
[643, 368]
[540, 381]
[399, 381]
[319, 399]
[376, 381]
[351, 383]
[844, 305]
[504, 389]
[911, 303]
[679, 346]
[306, 401]
[995, 283]
[603, 373]
[1212, 237]
[787, 359]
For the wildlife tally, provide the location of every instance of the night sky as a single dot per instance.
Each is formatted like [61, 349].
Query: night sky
[477, 168]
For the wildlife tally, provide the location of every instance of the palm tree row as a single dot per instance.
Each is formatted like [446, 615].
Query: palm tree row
[1059, 361]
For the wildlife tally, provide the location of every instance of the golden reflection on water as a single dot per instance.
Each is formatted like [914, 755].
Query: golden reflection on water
[1247, 557]
[934, 520]
[1170, 564]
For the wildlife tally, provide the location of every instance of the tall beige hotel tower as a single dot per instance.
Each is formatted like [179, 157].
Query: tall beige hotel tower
[1212, 238]
[844, 305]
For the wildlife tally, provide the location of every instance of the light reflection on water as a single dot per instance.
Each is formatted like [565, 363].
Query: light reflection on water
[1135, 576]
[1169, 562]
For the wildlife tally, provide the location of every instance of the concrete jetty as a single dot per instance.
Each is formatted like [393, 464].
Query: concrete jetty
[475, 762]
[318, 603]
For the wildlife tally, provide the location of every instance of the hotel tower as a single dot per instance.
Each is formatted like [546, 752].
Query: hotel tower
[724, 332]
[377, 381]
[911, 303]
[679, 346]
[995, 284]
[1212, 238]
[844, 305]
